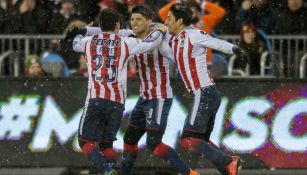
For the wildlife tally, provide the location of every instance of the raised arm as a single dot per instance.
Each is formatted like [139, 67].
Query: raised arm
[214, 14]
[164, 10]
[137, 46]
[200, 38]
[79, 43]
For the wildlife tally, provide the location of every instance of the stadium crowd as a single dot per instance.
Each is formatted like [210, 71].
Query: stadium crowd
[251, 19]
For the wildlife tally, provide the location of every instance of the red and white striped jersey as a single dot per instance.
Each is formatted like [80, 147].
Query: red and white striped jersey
[189, 48]
[106, 55]
[153, 70]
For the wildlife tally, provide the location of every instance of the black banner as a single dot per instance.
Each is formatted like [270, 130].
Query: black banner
[264, 121]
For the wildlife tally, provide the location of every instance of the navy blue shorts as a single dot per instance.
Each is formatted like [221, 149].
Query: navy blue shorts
[100, 120]
[204, 106]
[150, 114]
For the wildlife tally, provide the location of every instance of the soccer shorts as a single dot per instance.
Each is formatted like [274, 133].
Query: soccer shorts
[100, 120]
[150, 114]
[204, 106]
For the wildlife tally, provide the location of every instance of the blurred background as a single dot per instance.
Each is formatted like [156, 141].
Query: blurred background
[43, 84]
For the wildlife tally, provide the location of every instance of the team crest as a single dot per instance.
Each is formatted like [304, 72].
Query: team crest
[182, 43]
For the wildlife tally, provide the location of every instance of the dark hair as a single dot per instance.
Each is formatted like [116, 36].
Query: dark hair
[144, 11]
[108, 19]
[193, 4]
[183, 11]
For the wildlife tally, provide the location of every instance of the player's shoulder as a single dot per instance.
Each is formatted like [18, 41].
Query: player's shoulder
[194, 32]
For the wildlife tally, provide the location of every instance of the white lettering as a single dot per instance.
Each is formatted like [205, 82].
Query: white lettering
[53, 121]
[281, 127]
[243, 120]
[15, 116]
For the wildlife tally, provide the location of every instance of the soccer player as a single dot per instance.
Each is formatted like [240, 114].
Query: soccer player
[189, 46]
[151, 111]
[106, 55]
[206, 16]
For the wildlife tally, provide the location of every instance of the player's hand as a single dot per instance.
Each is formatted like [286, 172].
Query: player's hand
[73, 32]
[161, 27]
[242, 57]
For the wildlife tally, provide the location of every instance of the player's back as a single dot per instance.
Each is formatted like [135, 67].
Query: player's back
[106, 55]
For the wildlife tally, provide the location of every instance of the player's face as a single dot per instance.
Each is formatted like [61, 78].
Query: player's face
[139, 23]
[171, 23]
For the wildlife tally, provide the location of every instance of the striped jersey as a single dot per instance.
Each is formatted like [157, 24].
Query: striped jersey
[106, 55]
[189, 48]
[153, 70]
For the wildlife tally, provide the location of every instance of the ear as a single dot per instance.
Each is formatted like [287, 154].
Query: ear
[180, 21]
[117, 27]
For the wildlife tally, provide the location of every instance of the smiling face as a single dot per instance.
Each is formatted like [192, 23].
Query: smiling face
[140, 25]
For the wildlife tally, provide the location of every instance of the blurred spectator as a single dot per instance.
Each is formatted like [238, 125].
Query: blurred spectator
[2, 20]
[64, 16]
[82, 70]
[206, 21]
[292, 19]
[70, 57]
[253, 45]
[88, 10]
[53, 63]
[33, 67]
[27, 17]
[259, 12]
[132, 3]
[227, 25]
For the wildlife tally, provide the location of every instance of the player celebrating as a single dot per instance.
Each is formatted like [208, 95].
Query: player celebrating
[106, 55]
[189, 46]
[152, 108]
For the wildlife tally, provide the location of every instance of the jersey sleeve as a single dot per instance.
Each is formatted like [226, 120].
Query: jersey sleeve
[125, 32]
[79, 43]
[166, 50]
[137, 46]
[201, 38]
[92, 30]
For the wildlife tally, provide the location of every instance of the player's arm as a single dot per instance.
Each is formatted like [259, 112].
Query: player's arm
[79, 43]
[76, 37]
[215, 13]
[164, 10]
[200, 38]
[137, 46]
[95, 30]
[166, 50]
